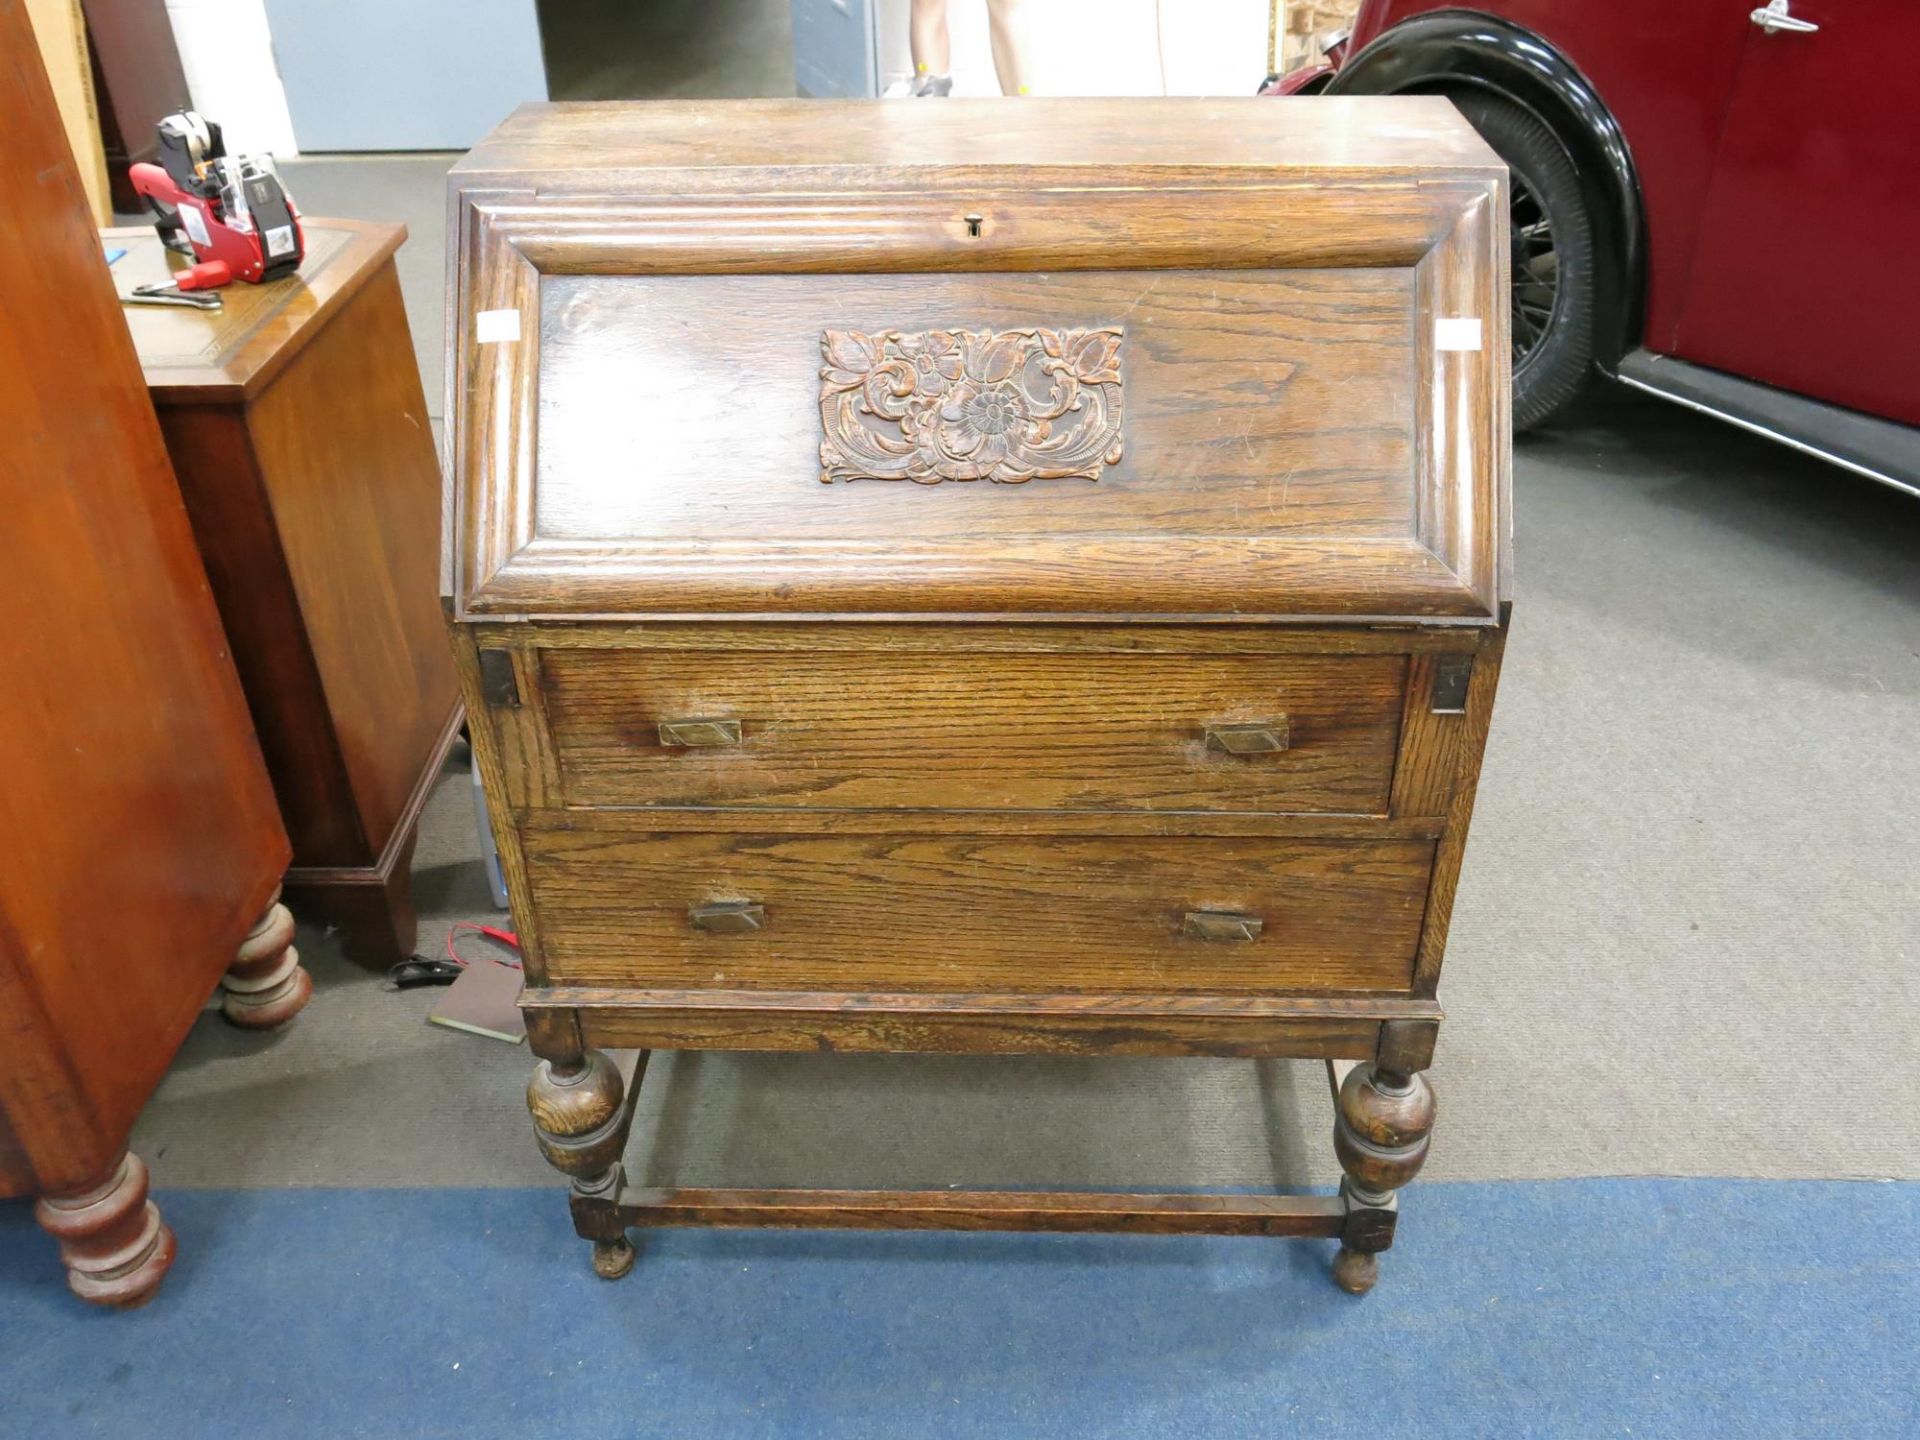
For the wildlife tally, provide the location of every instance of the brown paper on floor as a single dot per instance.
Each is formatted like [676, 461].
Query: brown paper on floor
[485, 1000]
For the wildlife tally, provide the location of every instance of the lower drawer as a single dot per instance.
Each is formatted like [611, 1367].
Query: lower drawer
[942, 913]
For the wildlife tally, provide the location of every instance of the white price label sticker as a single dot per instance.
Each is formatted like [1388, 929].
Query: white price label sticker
[196, 224]
[496, 327]
[1456, 332]
[280, 240]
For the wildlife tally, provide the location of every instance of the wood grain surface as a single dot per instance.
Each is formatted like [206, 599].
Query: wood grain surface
[1098, 732]
[807, 820]
[356, 505]
[1071, 1211]
[1258, 402]
[1292, 449]
[1429, 763]
[1269, 461]
[318, 537]
[1008, 406]
[236, 350]
[563, 1019]
[1137, 753]
[1469, 740]
[134, 787]
[939, 912]
[976, 636]
[600, 144]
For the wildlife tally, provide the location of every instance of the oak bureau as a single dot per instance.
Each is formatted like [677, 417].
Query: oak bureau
[999, 576]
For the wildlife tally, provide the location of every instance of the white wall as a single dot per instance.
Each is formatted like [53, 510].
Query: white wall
[1073, 47]
[227, 53]
[367, 74]
[1101, 47]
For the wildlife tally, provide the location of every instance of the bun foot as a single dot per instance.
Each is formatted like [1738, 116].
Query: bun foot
[612, 1258]
[266, 986]
[112, 1240]
[1355, 1271]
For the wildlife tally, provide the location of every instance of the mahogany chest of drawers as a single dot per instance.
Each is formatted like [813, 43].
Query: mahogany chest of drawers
[989, 577]
[315, 535]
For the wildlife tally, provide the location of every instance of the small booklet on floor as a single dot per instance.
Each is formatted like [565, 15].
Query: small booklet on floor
[485, 1000]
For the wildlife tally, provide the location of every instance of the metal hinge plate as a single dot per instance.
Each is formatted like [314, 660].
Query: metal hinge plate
[1451, 675]
[497, 683]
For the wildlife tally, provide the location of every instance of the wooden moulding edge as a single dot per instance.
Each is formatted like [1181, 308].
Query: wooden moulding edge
[400, 838]
[1305, 1027]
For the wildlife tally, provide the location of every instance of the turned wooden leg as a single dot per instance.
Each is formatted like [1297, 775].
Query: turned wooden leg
[112, 1240]
[1380, 1131]
[266, 986]
[581, 1112]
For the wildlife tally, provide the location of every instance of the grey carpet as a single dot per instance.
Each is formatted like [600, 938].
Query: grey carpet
[411, 189]
[1685, 938]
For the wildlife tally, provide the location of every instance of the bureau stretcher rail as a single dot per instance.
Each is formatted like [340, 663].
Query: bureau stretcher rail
[605, 1205]
[1175, 1214]
[1200, 1213]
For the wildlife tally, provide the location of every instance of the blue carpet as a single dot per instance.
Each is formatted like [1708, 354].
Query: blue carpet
[1594, 1307]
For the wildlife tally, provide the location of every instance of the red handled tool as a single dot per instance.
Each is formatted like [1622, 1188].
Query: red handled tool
[192, 286]
[207, 275]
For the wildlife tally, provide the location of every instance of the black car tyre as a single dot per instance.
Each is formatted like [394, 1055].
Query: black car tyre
[1552, 236]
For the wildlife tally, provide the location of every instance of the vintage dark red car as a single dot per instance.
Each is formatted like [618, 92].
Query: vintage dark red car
[1713, 201]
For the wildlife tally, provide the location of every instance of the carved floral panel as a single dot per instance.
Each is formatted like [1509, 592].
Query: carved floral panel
[1008, 406]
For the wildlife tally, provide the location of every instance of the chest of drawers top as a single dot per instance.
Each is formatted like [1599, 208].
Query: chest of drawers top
[1156, 359]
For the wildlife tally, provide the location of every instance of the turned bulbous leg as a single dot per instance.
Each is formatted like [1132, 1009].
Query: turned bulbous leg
[577, 1109]
[1381, 1131]
[580, 1119]
[266, 985]
[112, 1240]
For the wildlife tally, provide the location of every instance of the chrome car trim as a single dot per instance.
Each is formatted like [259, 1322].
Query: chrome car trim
[1847, 438]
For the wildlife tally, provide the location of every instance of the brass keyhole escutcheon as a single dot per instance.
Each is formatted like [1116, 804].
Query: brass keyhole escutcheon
[975, 223]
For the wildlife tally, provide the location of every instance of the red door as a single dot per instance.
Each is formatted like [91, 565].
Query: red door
[1806, 272]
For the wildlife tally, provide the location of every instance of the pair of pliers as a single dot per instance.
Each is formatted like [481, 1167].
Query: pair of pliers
[172, 295]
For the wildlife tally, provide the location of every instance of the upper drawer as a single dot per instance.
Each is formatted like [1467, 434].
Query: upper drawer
[940, 730]
[1258, 369]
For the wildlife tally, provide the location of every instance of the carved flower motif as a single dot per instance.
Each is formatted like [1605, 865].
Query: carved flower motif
[1007, 406]
[934, 352]
[993, 410]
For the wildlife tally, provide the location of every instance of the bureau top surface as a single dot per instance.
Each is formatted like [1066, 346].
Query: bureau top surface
[582, 145]
[1244, 359]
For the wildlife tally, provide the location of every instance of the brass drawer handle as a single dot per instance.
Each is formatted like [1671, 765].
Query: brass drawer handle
[1221, 925]
[1255, 737]
[729, 917]
[699, 732]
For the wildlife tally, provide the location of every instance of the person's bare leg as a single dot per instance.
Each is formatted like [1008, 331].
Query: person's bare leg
[932, 47]
[1003, 24]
